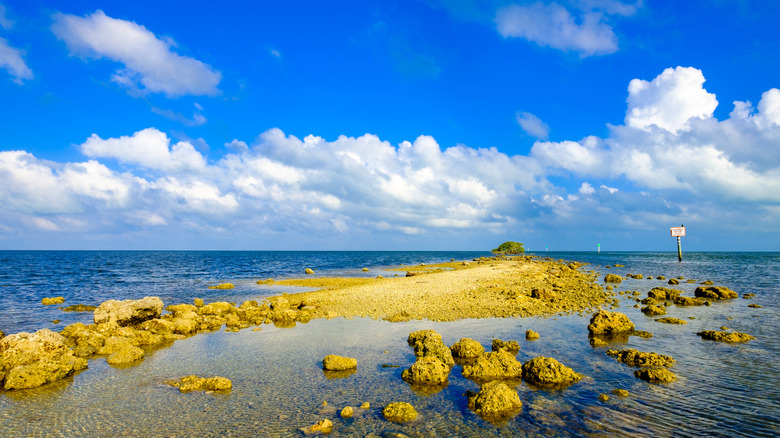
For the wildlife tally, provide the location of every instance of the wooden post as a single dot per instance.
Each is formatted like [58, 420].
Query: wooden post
[678, 232]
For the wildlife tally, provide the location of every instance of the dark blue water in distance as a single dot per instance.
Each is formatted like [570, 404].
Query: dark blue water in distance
[724, 390]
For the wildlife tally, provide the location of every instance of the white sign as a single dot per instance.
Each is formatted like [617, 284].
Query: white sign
[677, 231]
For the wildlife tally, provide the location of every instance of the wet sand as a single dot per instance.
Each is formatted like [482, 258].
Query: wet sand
[521, 286]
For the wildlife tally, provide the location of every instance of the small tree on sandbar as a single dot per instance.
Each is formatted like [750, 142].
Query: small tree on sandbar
[509, 248]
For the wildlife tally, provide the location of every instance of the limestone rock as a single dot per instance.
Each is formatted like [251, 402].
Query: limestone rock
[531, 335]
[399, 412]
[510, 346]
[218, 308]
[604, 398]
[347, 412]
[495, 400]
[620, 392]
[195, 383]
[126, 354]
[52, 300]
[655, 375]
[333, 362]
[715, 292]
[427, 370]
[467, 349]
[429, 343]
[637, 358]
[547, 371]
[309, 271]
[609, 323]
[688, 301]
[653, 310]
[324, 426]
[78, 308]
[128, 311]
[664, 293]
[613, 278]
[29, 360]
[494, 365]
[223, 286]
[670, 320]
[730, 337]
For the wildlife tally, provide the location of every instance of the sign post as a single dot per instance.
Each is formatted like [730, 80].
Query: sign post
[598, 245]
[678, 232]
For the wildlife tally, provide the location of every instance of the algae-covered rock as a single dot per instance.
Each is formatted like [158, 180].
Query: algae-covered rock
[128, 311]
[510, 346]
[730, 337]
[655, 375]
[638, 358]
[653, 310]
[755, 306]
[323, 426]
[429, 343]
[494, 365]
[495, 401]
[78, 308]
[664, 293]
[427, 370]
[620, 392]
[29, 360]
[195, 383]
[613, 278]
[688, 301]
[223, 286]
[126, 354]
[467, 349]
[715, 292]
[670, 320]
[546, 371]
[609, 323]
[52, 300]
[333, 362]
[399, 412]
[673, 281]
[531, 335]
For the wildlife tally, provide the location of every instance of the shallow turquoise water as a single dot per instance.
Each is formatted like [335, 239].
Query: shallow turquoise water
[279, 387]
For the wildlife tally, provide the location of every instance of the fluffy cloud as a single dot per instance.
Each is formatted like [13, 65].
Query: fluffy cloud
[533, 126]
[670, 100]
[554, 26]
[12, 61]
[149, 63]
[149, 148]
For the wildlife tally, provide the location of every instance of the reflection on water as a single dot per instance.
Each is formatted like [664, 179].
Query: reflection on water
[279, 385]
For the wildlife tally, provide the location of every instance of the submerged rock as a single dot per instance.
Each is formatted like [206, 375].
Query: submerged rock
[655, 375]
[510, 346]
[427, 370]
[30, 360]
[128, 311]
[52, 300]
[547, 371]
[223, 286]
[78, 308]
[467, 349]
[730, 337]
[399, 412]
[670, 320]
[715, 292]
[126, 354]
[609, 323]
[324, 426]
[495, 401]
[688, 301]
[195, 383]
[638, 358]
[494, 365]
[333, 362]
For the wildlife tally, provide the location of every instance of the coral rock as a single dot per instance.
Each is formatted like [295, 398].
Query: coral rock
[494, 400]
[52, 300]
[427, 370]
[333, 362]
[494, 365]
[399, 412]
[730, 337]
[467, 349]
[609, 323]
[548, 372]
[128, 311]
[29, 360]
[641, 359]
[715, 292]
[655, 375]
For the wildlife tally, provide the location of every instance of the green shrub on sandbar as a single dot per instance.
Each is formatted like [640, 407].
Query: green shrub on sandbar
[509, 248]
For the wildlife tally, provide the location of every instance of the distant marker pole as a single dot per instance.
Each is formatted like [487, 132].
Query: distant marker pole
[599, 247]
[678, 232]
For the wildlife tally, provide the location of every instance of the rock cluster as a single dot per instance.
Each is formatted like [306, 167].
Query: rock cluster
[637, 358]
[195, 383]
[715, 292]
[730, 337]
[30, 360]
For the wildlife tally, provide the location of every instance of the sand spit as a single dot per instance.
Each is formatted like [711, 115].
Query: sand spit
[521, 286]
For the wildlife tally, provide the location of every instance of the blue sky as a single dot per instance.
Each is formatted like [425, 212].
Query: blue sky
[429, 124]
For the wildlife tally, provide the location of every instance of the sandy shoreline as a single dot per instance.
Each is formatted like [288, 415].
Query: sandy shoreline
[489, 288]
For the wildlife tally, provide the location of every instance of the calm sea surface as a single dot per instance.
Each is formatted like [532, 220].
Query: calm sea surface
[279, 387]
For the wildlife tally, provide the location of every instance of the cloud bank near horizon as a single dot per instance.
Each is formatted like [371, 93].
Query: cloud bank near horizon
[670, 160]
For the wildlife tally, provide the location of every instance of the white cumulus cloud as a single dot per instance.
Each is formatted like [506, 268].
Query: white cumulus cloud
[149, 148]
[12, 60]
[150, 64]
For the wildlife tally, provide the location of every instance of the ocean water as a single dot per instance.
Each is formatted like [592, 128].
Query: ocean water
[278, 385]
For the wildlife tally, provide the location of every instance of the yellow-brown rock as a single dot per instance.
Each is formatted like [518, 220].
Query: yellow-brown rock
[128, 311]
[399, 412]
[126, 354]
[195, 383]
[427, 370]
[638, 358]
[547, 371]
[52, 300]
[495, 401]
[655, 375]
[715, 292]
[494, 365]
[333, 362]
[729, 337]
[606, 323]
[29, 360]
[467, 349]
